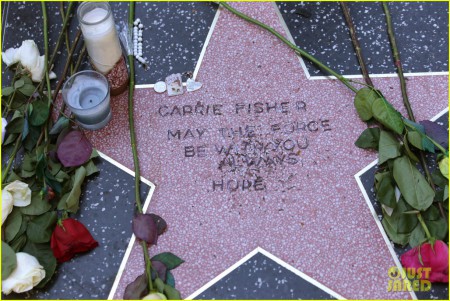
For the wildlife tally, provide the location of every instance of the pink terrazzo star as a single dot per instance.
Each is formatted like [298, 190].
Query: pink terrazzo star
[297, 199]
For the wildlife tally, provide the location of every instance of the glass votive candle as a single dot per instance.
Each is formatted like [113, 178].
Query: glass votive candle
[100, 35]
[86, 93]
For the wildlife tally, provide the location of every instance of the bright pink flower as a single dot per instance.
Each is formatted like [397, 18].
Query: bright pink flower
[435, 258]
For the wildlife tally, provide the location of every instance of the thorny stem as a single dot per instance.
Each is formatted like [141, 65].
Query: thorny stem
[398, 63]
[12, 156]
[424, 226]
[297, 50]
[68, 63]
[137, 175]
[61, 34]
[46, 69]
[355, 42]
[66, 33]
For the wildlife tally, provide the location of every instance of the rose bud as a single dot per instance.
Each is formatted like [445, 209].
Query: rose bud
[69, 238]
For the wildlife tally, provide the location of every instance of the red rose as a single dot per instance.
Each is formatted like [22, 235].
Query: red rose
[71, 238]
[435, 257]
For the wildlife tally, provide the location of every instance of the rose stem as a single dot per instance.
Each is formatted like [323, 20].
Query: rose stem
[137, 174]
[298, 50]
[47, 78]
[58, 41]
[61, 81]
[68, 63]
[11, 158]
[406, 103]
[356, 46]
[66, 33]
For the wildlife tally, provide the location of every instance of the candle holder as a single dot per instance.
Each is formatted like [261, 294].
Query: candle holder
[86, 93]
[103, 44]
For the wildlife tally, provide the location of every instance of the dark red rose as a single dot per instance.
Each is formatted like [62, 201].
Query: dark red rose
[433, 257]
[71, 238]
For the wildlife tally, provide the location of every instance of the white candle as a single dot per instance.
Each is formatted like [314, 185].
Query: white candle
[100, 35]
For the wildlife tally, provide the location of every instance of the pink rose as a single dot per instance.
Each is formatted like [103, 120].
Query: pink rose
[435, 258]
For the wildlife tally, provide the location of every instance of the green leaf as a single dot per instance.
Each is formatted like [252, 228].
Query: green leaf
[431, 214]
[438, 229]
[37, 206]
[417, 237]
[27, 89]
[398, 238]
[94, 154]
[26, 129]
[15, 126]
[385, 190]
[40, 113]
[170, 280]
[171, 293]
[415, 139]
[406, 223]
[18, 243]
[169, 259]
[32, 138]
[40, 228]
[159, 285]
[388, 147]
[45, 256]
[26, 80]
[369, 138]
[408, 150]
[18, 84]
[439, 179]
[90, 168]
[364, 99]
[61, 124]
[70, 201]
[6, 91]
[445, 196]
[412, 184]
[9, 261]
[385, 113]
[12, 225]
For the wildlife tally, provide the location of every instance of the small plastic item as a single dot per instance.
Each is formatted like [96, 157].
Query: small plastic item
[160, 87]
[192, 85]
[174, 84]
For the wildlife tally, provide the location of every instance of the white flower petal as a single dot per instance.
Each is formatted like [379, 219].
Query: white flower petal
[29, 54]
[9, 56]
[7, 204]
[37, 73]
[20, 192]
[25, 276]
[4, 124]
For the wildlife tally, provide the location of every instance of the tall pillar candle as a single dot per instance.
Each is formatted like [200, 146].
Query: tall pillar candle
[100, 35]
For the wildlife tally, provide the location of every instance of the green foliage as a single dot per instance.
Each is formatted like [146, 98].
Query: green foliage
[363, 102]
[388, 147]
[9, 261]
[385, 114]
[369, 139]
[170, 260]
[44, 255]
[412, 184]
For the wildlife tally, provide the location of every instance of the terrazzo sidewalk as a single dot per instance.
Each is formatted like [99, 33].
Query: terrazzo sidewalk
[305, 209]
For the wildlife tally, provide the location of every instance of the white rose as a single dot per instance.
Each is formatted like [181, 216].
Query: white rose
[4, 124]
[21, 193]
[9, 56]
[7, 204]
[28, 55]
[25, 276]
